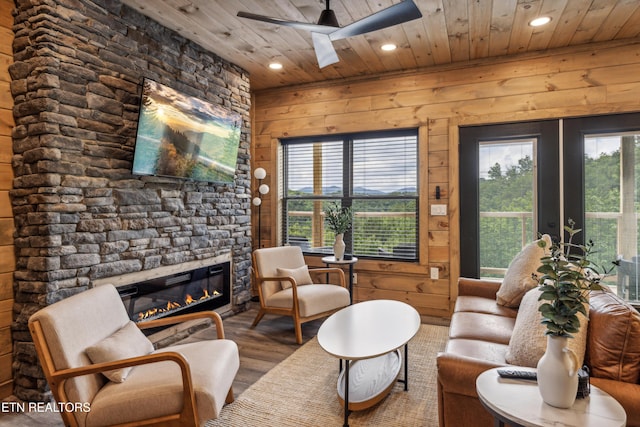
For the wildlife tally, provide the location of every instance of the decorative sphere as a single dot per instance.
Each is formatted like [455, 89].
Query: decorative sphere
[257, 201]
[263, 189]
[260, 173]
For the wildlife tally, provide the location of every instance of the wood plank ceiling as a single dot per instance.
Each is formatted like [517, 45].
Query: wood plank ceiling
[450, 31]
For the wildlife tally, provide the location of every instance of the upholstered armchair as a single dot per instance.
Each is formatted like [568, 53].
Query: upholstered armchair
[285, 287]
[99, 362]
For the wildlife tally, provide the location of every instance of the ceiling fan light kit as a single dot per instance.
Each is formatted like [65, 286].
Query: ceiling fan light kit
[327, 30]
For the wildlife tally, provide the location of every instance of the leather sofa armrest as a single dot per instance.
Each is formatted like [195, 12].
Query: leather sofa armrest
[627, 394]
[457, 374]
[478, 287]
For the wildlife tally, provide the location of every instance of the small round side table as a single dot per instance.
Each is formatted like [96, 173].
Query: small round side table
[518, 403]
[328, 260]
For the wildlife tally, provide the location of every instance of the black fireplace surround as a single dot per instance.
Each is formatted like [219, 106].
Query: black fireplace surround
[204, 288]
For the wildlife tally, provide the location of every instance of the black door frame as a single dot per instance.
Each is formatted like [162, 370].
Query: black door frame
[548, 178]
[573, 131]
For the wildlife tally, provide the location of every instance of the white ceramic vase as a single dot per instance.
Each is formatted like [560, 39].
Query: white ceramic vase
[338, 247]
[558, 373]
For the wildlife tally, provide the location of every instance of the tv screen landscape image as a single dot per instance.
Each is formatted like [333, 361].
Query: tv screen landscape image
[185, 137]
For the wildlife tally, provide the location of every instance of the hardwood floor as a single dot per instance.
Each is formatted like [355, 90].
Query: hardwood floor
[261, 348]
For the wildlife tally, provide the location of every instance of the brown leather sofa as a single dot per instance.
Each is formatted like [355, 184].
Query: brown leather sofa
[479, 337]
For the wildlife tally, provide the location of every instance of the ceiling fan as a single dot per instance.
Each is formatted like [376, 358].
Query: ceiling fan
[327, 29]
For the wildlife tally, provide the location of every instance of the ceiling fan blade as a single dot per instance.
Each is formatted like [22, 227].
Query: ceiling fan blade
[393, 15]
[325, 53]
[324, 29]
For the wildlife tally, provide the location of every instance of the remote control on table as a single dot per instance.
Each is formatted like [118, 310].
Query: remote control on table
[517, 373]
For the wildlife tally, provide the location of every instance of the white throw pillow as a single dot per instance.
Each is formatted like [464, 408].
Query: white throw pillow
[300, 275]
[517, 280]
[129, 341]
[528, 341]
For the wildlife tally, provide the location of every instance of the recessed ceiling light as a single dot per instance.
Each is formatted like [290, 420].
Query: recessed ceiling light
[388, 47]
[275, 66]
[540, 21]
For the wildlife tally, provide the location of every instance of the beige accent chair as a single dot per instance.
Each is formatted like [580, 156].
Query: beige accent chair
[182, 385]
[286, 295]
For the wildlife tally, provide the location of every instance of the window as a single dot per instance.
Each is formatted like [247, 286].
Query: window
[376, 174]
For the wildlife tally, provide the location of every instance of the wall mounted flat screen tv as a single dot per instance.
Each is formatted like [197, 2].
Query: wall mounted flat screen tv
[185, 137]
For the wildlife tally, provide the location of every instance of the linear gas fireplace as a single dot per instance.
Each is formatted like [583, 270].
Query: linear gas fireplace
[203, 288]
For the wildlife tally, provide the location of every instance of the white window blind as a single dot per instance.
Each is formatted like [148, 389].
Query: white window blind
[375, 174]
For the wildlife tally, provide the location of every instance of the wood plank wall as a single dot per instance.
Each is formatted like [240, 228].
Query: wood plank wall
[7, 253]
[585, 80]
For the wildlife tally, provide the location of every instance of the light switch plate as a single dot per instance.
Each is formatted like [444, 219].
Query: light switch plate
[438, 210]
[435, 273]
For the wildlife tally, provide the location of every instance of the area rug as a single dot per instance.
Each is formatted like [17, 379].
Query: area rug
[301, 391]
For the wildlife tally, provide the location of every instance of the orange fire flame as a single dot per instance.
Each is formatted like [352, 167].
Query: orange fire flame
[172, 305]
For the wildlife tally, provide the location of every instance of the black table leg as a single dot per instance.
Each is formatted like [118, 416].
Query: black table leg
[406, 367]
[327, 275]
[351, 282]
[405, 380]
[346, 394]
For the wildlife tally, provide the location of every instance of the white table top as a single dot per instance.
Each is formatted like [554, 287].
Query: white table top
[520, 401]
[332, 260]
[368, 329]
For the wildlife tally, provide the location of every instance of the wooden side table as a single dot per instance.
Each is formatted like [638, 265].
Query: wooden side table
[518, 403]
[328, 260]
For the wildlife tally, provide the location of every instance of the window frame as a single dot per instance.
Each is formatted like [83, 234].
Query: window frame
[348, 198]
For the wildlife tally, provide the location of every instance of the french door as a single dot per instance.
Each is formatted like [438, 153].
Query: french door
[518, 180]
[509, 192]
[602, 191]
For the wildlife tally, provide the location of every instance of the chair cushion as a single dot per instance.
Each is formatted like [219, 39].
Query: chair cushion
[313, 299]
[268, 260]
[300, 275]
[529, 342]
[127, 342]
[517, 280]
[156, 389]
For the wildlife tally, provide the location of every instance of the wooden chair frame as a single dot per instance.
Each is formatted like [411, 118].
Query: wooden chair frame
[293, 312]
[57, 378]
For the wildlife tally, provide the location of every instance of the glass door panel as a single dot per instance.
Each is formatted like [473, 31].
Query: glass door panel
[507, 197]
[611, 188]
[601, 173]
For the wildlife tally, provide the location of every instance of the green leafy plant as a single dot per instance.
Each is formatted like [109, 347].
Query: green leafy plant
[566, 276]
[338, 218]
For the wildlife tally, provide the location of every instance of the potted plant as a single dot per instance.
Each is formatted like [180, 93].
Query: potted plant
[339, 221]
[566, 277]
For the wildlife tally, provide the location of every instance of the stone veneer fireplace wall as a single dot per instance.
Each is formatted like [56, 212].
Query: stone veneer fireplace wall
[80, 215]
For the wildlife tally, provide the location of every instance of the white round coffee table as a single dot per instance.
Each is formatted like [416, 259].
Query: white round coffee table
[518, 402]
[368, 335]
